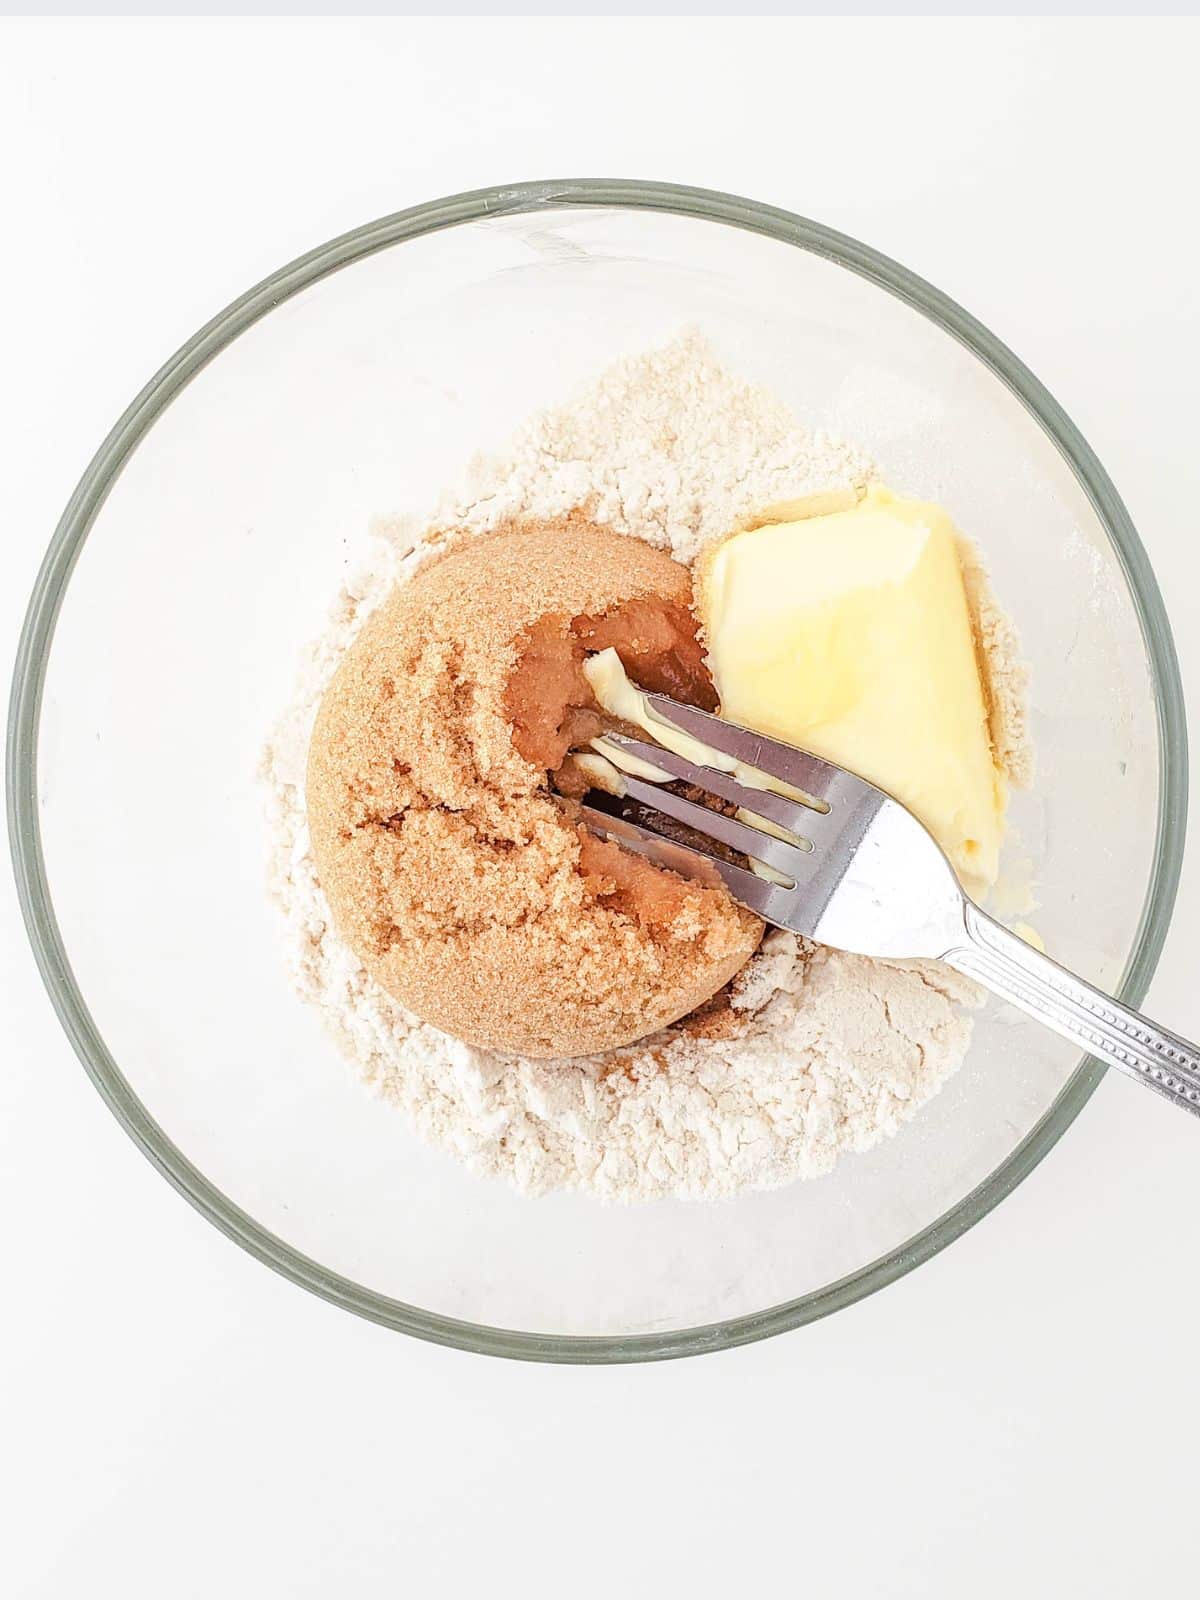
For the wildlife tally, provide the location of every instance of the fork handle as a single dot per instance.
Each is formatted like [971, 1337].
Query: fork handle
[1013, 969]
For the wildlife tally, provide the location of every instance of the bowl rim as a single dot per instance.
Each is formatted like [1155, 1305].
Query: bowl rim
[76, 522]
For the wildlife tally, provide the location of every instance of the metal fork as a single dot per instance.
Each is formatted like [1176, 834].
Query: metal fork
[865, 876]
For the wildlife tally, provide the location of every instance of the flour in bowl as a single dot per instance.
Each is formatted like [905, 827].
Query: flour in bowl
[812, 1053]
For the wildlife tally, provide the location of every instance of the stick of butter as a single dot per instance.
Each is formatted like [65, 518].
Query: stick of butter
[849, 634]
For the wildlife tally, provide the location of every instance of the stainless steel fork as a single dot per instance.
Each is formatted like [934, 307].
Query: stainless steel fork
[863, 875]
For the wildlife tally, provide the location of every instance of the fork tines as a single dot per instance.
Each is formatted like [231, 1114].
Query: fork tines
[790, 857]
[792, 860]
[764, 802]
[815, 778]
[754, 892]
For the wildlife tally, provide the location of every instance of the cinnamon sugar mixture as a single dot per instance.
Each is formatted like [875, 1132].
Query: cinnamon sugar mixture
[490, 967]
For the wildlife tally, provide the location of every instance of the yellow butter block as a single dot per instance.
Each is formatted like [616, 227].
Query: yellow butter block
[849, 634]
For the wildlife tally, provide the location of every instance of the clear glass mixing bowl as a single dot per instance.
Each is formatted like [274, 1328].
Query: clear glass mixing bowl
[198, 555]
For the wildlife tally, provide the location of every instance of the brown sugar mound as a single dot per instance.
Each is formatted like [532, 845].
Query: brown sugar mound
[468, 890]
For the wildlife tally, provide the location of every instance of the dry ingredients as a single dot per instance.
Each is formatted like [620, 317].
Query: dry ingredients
[820, 1053]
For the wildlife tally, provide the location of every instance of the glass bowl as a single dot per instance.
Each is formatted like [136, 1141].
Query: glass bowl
[200, 553]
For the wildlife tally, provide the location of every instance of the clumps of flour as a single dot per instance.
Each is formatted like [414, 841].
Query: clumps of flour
[667, 446]
[822, 1053]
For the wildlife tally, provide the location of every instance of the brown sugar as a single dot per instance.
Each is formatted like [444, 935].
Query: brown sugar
[464, 885]
[549, 701]
[626, 882]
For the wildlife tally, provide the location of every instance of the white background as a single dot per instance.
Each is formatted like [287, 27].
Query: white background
[1023, 1412]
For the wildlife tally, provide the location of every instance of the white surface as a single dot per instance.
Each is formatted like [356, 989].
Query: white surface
[180, 1420]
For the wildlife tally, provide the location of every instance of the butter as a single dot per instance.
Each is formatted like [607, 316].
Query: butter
[600, 772]
[633, 765]
[625, 701]
[848, 633]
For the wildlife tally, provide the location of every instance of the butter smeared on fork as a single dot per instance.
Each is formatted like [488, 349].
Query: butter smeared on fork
[623, 700]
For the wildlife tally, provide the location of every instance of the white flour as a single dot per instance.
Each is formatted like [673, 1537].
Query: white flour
[830, 1053]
